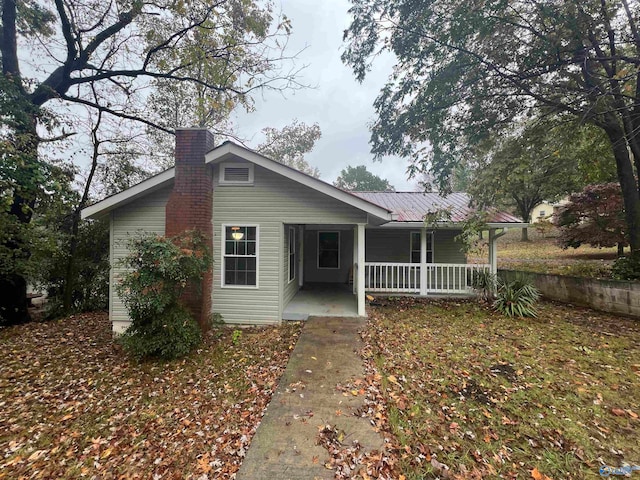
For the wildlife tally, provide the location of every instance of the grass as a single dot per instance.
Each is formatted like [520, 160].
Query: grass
[541, 254]
[72, 405]
[490, 396]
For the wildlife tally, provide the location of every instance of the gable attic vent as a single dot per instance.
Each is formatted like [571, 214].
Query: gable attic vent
[236, 174]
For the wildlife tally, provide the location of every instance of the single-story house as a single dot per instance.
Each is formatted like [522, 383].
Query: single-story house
[287, 245]
[546, 210]
[542, 211]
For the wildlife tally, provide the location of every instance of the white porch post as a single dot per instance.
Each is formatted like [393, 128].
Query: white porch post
[493, 257]
[423, 261]
[360, 271]
[354, 267]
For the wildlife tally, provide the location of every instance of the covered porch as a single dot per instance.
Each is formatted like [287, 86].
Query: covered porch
[434, 260]
[333, 267]
[322, 278]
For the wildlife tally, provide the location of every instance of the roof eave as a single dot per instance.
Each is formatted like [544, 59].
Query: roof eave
[103, 207]
[508, 225]
[453, 225]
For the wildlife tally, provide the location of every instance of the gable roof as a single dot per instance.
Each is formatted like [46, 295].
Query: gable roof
[151, 184]
[413, 206]
[230, 150]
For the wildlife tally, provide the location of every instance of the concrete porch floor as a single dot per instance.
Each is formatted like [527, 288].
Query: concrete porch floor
[322, 300]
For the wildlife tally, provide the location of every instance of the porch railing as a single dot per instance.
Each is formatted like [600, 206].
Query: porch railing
[443, 278]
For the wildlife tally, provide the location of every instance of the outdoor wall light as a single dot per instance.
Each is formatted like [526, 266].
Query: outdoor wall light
[236, 234]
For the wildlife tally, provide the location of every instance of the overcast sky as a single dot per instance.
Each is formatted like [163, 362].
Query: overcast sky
[341, 106]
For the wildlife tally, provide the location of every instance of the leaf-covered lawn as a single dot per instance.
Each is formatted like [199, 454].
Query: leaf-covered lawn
[486, 395]
[73, 406]
[541, 254]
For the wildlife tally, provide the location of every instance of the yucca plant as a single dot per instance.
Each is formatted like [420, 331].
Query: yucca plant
[484, 284]
[516, 299]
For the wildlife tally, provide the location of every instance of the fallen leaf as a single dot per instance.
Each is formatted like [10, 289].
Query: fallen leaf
[204, 464]
[38, 454]
[441, 468]
[537, 475]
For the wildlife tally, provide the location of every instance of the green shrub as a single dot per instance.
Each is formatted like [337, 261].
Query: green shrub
[626, 268]
[484, 283]
[236, 336]
[516, 299]
[159, 270]
[170, 335]
[90, 275]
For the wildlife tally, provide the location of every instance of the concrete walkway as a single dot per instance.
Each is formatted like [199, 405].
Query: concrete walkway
[284, 446]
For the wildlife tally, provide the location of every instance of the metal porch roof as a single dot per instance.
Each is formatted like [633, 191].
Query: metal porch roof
[413, 206]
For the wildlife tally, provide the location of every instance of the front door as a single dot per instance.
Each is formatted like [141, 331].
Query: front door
[328, 255]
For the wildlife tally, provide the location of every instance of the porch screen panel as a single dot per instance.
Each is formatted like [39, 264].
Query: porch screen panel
[240, 257]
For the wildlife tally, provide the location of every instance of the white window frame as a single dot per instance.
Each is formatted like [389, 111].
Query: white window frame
[411, 249]
[292, 235]
[223, 256]
[318, 250]
[226, 165]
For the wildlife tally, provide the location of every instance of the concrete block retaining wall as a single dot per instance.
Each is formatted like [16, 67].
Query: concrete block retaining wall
[612, 296]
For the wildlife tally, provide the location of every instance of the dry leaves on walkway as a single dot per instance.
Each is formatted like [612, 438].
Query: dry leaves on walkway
[73, 406]
[350, 460]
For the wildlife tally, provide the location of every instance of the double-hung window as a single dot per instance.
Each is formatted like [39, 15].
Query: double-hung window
[329, 250]
[415, 247]
[240, 258]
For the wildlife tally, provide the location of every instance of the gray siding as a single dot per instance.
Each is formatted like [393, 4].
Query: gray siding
[387, 245]
[446, 249]
[393, 244]
[146, 214]
[320, 275]
[272, 201]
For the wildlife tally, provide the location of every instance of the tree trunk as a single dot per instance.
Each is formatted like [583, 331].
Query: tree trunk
[524, 207]
[630, 194]
[70, 273]
[13, 302]
[13, 286]
[620, 250]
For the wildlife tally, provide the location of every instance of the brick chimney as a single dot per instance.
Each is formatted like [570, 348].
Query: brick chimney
[190, 207]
